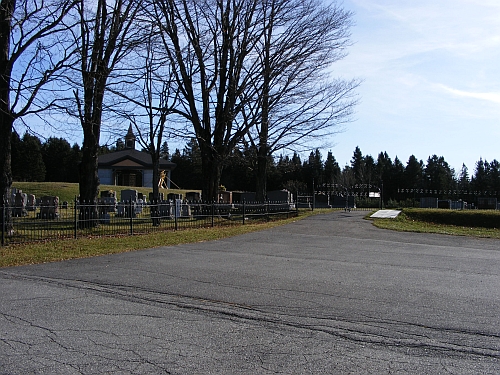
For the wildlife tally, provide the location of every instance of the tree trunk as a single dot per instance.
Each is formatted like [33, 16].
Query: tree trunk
[6, 119]
[155, 202]
[89, 182]
[261, 177]
[211, 173]
[6, 122]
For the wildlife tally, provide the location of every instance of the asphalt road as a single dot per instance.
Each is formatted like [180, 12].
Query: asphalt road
[329, 294]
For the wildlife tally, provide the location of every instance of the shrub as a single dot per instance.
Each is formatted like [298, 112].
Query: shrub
[472, 218]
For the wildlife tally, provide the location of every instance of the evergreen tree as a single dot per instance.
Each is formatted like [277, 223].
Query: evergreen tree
[463, 179]
[397, 176]
[164, 151]
[237, 174]
[357, 166]
[413, 173]
[331, 170]
[383, 176]
[313, 169]
[73, 162]
[16, 153]
[440, 177]
[187, 173]
[31, 166]
[369, 170]
[56, 153]
[480, 180]
[494, 177]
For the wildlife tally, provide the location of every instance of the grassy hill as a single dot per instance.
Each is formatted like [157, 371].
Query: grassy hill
[68, 191]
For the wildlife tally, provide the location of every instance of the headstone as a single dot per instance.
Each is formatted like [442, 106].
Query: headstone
[105, 218]
[486, 203]
[108, 194]
[173, 196]
[19, 208]
[185, 210]
[458, 205]
[129, 195]
[160, 197]
[243, 196]
[193, 196]
[165, 209]
[444, 203]
[31, 204]
[279, 196]
[428, 202]
[225, 197]
[49, 207]
[178, 207]
[126, 209]
[107, 204]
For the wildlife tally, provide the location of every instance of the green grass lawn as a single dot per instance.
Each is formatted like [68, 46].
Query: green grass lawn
[68, 191]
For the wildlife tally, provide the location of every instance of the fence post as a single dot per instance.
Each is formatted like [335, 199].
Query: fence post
[131, 218]
[213, 212]
[243, 211]
[175, 214]
[267, 210]
[297, 203]
[3, 221]
[75, 214]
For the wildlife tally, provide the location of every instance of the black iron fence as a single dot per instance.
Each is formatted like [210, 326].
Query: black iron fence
[74, 219]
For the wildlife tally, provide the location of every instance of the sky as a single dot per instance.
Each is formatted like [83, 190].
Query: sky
[430, 72]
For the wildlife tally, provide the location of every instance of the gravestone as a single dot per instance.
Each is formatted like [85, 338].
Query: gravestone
[107, 202]
[429, 202]
[160, 197]
[31, 204]
[127, 206]
[279, 196]
[193, 196]
[173, 196]
[129, 195]
[19, 208]
[484, 203]
[49, 207]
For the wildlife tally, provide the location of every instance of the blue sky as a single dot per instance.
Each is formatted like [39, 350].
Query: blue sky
[431, 80]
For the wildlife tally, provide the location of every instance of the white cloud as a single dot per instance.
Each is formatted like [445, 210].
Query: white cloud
[459, 26]
[488, 96]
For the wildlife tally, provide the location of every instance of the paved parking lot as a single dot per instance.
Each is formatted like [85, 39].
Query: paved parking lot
[329, 294]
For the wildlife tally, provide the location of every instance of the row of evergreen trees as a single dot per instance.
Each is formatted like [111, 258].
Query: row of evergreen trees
[56, 160]
[415, 176]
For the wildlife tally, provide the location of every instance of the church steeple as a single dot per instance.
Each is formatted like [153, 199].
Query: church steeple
[130, 139]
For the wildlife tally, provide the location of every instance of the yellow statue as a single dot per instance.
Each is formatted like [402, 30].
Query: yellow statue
[162, 183]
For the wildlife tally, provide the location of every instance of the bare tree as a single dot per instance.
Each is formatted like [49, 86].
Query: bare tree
[152, 96]
[33, 55]
[107, 34]
[209, 45]
[294, 101]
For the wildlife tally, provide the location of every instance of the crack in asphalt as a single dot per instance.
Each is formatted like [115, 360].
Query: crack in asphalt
[375, 331]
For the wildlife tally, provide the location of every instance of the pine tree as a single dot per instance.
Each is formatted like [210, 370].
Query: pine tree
[357, 166]
[413, 173]
[331, 169]
[56, 153]
[463, 179]
[30, 160]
